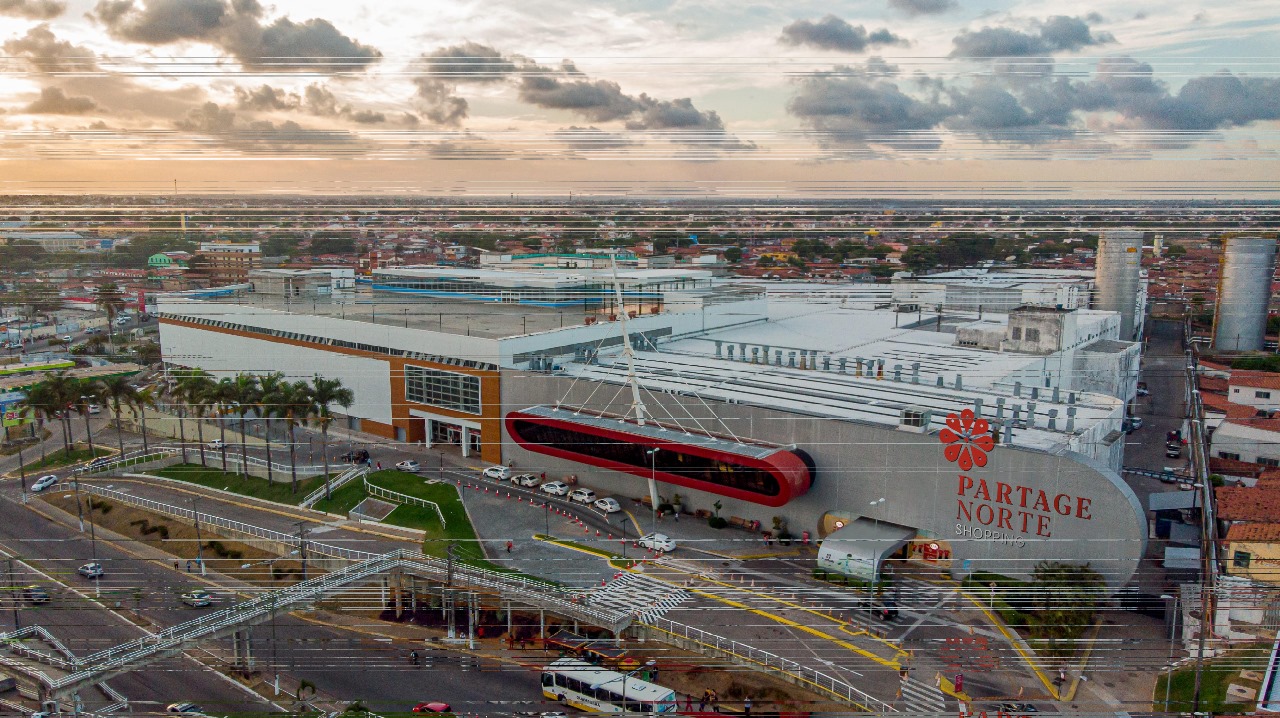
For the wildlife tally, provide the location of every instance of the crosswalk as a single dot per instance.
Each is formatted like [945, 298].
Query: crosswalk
[637, 595]
[921, 698]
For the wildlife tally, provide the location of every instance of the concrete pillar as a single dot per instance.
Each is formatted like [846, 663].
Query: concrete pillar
[755, 355]
[428, 426]
[718, 348]
[729, 352]
[1053, 420]
[509, 633]
[542, 623]
[466, 442]
[397, 585]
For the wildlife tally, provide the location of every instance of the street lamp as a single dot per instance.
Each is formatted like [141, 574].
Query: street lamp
[1173, 627]
[875, 561]
[653, 484]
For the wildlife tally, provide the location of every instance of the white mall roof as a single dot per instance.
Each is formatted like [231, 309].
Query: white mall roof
[549, 278]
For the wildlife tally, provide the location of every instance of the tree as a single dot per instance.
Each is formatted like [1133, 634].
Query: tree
[41, 399]
[118, 391]
[733, 255]
[148, 353]
[245, 396]
[61, 390]
[295, 405]
[332, 245]
[221, 398]
[141, 401]
[271, 388]
[326, 393]
[111, 300]
[1066, 599]
[1176, 251]
[86, 394]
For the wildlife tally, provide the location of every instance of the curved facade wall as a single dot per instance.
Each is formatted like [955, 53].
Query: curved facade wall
[1244, 289]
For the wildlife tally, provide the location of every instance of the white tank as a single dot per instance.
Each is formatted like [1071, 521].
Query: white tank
[1244, 289]
[1118, 277]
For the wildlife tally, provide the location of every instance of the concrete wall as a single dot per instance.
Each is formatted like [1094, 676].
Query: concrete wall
[1251, 443]
[860, 463]
[1248, 396]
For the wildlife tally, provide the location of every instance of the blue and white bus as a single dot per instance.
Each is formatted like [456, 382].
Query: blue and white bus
[590, 688]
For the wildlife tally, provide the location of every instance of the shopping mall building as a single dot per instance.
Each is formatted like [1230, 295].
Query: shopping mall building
[957, 442]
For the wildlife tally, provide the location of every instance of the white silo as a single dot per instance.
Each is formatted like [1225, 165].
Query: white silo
[1118, 278]
[1244, 289]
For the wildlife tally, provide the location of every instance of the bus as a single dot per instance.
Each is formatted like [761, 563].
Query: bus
[587, 687]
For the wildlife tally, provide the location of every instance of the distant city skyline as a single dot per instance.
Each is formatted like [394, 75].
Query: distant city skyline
[881, 98]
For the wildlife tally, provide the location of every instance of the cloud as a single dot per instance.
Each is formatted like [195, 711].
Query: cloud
[849, 105]
[315, 100]
[833, 33]
[47, 53]
[595, 100]
[235, 27]
[923, 7]
[53, 101]
[591, 138]
[263, 136]
[33, 9]
[1055, 34]
[468, 62]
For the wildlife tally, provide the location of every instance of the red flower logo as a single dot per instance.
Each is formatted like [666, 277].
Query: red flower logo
[968, 440]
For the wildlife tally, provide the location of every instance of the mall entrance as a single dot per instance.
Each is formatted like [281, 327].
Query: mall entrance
[441, 432]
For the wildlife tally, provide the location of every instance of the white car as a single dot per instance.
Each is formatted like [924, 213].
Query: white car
[555, 488]
[95, 409]
[408, 465]
[185, 709]
[657, 542]
[582, 496]
[44, 482]
[216, 444]
[496, 472]
[609, 506]
[197, 599]
[91, 570]
[524, 480]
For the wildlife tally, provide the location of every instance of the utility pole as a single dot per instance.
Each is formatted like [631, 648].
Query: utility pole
[22, 473]
[13, 591]
[302, 546]
[195, 514]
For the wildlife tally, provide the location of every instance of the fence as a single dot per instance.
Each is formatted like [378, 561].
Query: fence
[336, 483]
[704, 641]
[399, 498]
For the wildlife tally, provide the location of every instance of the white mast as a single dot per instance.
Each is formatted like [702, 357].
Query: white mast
[637, 404]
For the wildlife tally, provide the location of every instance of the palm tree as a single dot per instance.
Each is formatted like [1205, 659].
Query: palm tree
[324, 393]
[172, 388]
[296, 405]
[62, 390]
[111, 300]
[245, 398]
[271, 391]
[86, 394]
[117, 390]
[141, 400]
[221, 397]
[191, 390]
[42, 400]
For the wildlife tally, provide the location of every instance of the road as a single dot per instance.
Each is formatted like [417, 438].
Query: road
[345, 663]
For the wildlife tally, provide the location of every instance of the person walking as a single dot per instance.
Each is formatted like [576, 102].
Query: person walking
[715, 701]
[746, 707]
[509, 545]
[702, 702]
[688, 702]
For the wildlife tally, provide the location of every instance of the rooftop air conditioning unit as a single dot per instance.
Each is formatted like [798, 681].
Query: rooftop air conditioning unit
[914, 419]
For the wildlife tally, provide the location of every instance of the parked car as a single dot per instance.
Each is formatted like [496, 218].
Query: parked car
[1173, 450]
[433, 707]
[358, 456]
[555, 488]
[496, 472]
[190, 709]
[67, 338]
[657, 542]
[1131, 424]
[216, 444]
[524, 480]
[35, 595]
[609, 506]
[94, 409]
[198, 598]
[44, 482]
[582, 496]
[91, 570]
[408, 465]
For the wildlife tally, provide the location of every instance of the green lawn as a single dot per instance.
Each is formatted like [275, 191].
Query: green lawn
[60, 458]
[342, 499]
[1215, 676]
[278, 490]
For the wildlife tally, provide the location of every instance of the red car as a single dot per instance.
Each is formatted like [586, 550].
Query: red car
[432, 707]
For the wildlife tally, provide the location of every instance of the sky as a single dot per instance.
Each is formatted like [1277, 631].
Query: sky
[1097, 99]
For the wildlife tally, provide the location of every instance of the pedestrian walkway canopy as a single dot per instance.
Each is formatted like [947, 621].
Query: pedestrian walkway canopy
[859, 548]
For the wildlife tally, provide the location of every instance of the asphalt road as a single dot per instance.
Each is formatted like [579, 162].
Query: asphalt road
[343, 663]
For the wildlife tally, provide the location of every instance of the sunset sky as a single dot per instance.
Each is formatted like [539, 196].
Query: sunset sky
[905, 98]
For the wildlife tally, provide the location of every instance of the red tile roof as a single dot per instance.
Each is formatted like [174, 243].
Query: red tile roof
[1254, 531]
[1238, 503]
[1255, 379]
[1257, 423]
[1214, 365]
[1220, 403]
[1214, 384]
[1231, 467]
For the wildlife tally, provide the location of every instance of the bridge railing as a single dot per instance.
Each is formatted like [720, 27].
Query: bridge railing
[354, 472]
[399, 498]
[774, 662]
